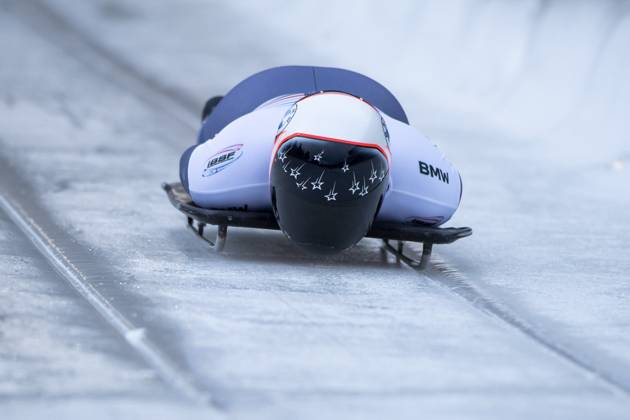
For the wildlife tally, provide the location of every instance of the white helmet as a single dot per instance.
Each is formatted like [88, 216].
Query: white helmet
[329, 170]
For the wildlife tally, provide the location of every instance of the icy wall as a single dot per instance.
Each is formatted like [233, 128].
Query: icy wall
[554, 70]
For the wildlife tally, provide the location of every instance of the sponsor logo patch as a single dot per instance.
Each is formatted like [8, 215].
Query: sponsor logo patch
[433, 171]
[222, 159]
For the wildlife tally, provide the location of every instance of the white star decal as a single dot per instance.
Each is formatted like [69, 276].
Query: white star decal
[318, 156]
[317, 185]
[302, 185]
[285, 166]
[373, 174]
[345, 168]
[295, 172]
[382, 175]
[332, 195]
[282, 156]
[355, 185]
[364, 189]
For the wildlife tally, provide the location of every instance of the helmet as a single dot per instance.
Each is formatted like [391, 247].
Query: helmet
[329, 170]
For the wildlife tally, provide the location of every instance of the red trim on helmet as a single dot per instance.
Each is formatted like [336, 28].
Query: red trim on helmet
[277, 144]
[333, 139]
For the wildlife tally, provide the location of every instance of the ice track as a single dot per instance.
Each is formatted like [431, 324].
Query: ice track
[69, 258]
[181, 112]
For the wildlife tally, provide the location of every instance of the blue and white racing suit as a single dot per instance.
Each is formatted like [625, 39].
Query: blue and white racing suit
[229, 167]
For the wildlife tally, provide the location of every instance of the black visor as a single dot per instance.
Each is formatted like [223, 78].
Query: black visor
[325, 194]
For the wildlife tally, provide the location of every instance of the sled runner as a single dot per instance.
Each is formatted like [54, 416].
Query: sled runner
[197, 218]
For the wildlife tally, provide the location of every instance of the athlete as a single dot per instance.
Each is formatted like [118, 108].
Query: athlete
[327, 150]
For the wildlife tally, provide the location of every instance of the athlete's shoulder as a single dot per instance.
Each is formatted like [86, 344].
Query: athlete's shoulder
[251, 134]
[230, 170]
[401, 133]
[261, 122]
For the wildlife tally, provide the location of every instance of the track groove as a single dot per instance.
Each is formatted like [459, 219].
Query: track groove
[469, 293]
[133, 334]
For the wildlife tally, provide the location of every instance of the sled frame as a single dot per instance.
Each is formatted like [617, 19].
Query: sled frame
[198, 228]
[197, 218]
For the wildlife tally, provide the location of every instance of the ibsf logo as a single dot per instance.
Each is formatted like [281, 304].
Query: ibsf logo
[222, 159]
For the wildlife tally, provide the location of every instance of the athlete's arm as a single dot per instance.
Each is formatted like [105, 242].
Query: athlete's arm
[231, 170]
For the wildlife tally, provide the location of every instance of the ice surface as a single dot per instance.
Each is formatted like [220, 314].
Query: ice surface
[55, 346]
[511, 96]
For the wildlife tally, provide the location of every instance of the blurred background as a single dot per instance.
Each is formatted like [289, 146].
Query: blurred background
[529, 317]
[551, 70]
